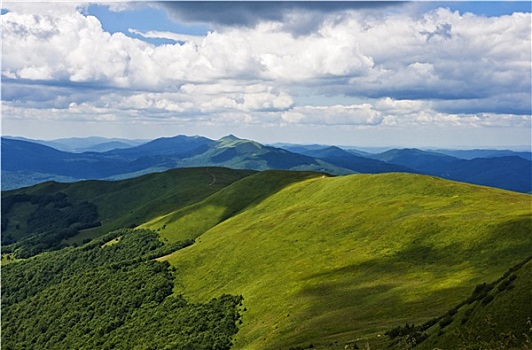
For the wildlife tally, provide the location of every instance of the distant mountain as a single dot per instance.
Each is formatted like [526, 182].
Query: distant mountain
[231, 151]
[84, 144]
[305, 149]
[26, 163]
[511, 173]
[178, 146]
[107, 146]
[26, 157]
[484, 153]
[298, 148]
[424, 161]
[347, 159]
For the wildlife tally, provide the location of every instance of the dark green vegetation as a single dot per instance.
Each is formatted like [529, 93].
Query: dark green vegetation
[495, 316]
[327, 261]
[51, 215]
[53, 219]
[108, 296]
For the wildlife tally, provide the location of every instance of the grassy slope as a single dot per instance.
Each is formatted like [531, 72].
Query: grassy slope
[502, 323]
[334, 259]
[191, 221]
[128, 203]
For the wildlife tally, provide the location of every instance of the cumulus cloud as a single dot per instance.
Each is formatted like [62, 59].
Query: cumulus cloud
[439, 68]
[440, 55]
[363, 114]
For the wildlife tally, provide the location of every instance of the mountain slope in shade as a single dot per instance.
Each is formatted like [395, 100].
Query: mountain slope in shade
[511, 173]
[191, 221]
[350, 160]
[119, 204]
[484, 153]
[495, 316]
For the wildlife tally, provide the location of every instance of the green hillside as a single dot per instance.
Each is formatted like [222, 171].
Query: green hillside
[191, 221]
[497, 315]
[119, 204]
[322, 261]
[328, 260]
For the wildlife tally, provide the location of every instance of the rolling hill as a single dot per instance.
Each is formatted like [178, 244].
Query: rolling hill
[336, 259]
[322, 261]
[121, 204]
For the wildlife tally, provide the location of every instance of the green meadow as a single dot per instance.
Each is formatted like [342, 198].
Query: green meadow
[328, 260]
[497, 315]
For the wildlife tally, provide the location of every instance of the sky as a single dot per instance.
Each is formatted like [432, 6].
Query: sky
[371, 74]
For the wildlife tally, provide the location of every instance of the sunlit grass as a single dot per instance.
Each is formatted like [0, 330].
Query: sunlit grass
[340, 258]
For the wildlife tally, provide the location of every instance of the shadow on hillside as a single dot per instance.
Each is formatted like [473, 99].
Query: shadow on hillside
[412, 285]
[251, 191]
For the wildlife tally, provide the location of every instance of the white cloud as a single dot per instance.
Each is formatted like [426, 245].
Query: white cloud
[474, 56]
[440, 54]
[153, 34]
[363, 114]
[440, 69]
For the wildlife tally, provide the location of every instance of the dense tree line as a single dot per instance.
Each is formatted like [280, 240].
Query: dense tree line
[54, 219]
[108, 294]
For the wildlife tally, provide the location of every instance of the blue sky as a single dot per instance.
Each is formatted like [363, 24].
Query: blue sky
[408, 74]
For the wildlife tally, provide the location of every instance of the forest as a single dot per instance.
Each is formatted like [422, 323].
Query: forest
[135, 309]
[51, 219]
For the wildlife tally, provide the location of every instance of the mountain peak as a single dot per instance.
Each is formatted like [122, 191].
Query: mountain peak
[230, 137]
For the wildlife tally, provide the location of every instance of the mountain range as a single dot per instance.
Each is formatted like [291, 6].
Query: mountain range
[27, 162]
